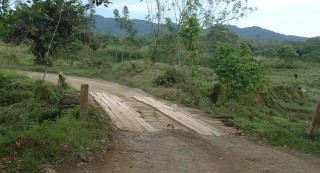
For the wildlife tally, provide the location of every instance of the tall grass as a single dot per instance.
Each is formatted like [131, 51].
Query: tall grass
[33, 130]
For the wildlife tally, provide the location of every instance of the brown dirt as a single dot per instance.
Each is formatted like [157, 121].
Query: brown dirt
[180, 149]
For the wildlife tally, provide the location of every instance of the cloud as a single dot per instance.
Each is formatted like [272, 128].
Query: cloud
[291, 17]
[137, 9]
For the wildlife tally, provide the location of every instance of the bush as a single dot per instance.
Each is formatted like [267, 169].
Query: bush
[46, 92]
[165, 80]
[169, 78]
[31, 126]
[238, 73]
[3, 80]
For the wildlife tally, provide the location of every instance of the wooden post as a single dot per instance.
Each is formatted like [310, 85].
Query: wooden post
[315, 122]
[84, 101]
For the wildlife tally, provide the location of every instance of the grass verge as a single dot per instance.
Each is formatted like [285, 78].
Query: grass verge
[32, 129]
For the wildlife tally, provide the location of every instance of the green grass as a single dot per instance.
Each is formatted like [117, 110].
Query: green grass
[279, 115]
[33, 130]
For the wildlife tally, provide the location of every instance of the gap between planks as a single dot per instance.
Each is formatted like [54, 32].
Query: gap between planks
[125, 117]
[181, 117]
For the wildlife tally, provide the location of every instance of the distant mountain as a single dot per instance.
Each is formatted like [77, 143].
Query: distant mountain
[256, 32]
[109, 25]
[144, 28]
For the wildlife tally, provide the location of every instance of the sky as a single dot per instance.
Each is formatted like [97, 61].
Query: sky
[290, 17]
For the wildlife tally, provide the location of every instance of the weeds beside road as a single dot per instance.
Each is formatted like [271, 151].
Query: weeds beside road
[33, 131]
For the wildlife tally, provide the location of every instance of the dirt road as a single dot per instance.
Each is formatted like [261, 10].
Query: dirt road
[172, 146]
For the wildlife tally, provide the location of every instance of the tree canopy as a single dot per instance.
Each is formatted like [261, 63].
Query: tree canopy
[238, 72]
[287, 53]
[48, 25]
[190, 33]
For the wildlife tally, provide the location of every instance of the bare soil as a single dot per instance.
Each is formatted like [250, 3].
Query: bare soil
[176, 148]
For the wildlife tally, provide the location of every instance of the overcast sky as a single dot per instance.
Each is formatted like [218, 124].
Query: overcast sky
[290, 17]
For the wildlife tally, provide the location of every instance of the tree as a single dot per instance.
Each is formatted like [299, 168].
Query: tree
[5, 17]
[217, 34]
[190, 33]
[127, 26]
[208, 12]
[156, 11]
[287, 53]
[238, 73]
[4, 7]
[104, 39]
[50, 25]
[163, 49]
[99, 2]
[312, 49]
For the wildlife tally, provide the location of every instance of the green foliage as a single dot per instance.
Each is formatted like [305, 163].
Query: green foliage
[12, 92]
[49, 93]
[287, 53]
[280, 114]
[218, 34]
[281, 131]
[32, 130]
[128, 54]
[4, 7]
[310, 50]
[124, 21]
[238, 74]
[3, 80]
[105, 39]
[160, 50]
[169, 78]
[127, 26]
[190, 33]
[37, 22]
[99, 2]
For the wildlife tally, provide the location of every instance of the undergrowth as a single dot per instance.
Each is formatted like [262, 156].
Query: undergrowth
[33, 131]
[279, 115]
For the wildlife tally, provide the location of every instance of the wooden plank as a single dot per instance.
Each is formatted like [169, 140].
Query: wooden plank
[134, 114]
[120, 113]
[125, 117]
[131, 114]
[107, 109]
[181, 117]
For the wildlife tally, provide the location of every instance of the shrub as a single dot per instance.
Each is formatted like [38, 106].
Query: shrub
[169, 78]
[3, 80]
[46, 92]
[31, 126]
[238, 73]
[165, 80]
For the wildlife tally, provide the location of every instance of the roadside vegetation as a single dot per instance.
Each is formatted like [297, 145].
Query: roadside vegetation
[34, 131]
[270, 88]
[279, 113]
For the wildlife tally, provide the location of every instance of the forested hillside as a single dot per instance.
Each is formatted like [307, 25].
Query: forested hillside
[109, 25]
[256, 32]
[144, 28]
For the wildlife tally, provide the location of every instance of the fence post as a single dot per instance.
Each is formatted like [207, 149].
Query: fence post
[315, 121]
[84, 101]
